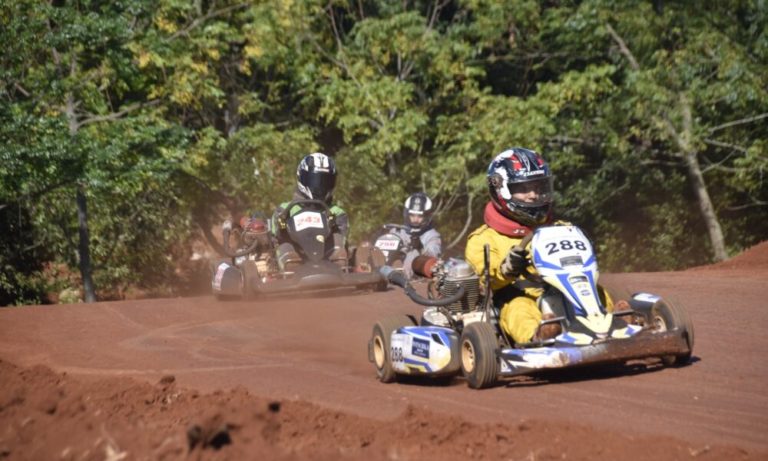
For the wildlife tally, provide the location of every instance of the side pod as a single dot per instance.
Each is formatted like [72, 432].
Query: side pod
[227, 280]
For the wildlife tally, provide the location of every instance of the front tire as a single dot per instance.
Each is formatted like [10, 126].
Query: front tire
[478, 355]
[383, 285]
[667, 316]
[381, 344]
[221, 297]
[250, 279]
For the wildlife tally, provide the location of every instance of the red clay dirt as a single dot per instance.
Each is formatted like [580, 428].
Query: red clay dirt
[193, 378]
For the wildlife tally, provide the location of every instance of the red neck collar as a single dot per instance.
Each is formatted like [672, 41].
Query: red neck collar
[502, 224]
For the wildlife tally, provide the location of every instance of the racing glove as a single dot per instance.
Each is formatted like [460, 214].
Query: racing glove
[515, 262]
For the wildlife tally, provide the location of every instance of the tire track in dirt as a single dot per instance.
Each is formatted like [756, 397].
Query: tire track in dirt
[315, 350]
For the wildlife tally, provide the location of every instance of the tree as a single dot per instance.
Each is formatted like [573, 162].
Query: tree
[177, 114]
[700, 73]
[69, 78]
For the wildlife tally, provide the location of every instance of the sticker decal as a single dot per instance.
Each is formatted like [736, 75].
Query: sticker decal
[396, 349]
[219, 275]
[397, 354]
[647, 297]
[308, 219]
[386, 244]
[420, 348]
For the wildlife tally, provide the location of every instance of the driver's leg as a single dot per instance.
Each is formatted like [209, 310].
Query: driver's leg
[611, 305]
[367, 258]
[520, 318]
[287, 257]
[339, 253]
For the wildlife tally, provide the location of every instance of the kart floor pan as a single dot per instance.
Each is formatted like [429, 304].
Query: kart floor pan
[319, 282]
[523, 361]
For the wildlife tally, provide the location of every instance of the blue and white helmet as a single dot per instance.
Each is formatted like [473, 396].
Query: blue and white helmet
[316, 177]
[520, 186]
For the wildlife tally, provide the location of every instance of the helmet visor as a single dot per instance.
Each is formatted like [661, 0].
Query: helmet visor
[416, 219]
[320, 184]
[531, 193]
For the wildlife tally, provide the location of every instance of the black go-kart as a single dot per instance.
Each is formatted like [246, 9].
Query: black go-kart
[251, 269]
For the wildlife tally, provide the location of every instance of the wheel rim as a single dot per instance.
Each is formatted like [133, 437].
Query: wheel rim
[468, 356]
[379, 353]
[659, 323]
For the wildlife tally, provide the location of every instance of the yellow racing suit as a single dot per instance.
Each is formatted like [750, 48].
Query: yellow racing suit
[516, 297]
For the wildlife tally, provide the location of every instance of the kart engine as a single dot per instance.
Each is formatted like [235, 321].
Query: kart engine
[254, 232]
[449, 276]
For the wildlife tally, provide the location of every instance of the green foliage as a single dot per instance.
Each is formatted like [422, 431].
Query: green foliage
[20, 259]
[173, 115]
[256, 165]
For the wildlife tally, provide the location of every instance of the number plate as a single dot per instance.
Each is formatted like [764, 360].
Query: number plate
[386, 244]
[308, 219]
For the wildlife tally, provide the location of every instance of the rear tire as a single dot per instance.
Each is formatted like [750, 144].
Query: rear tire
[478, 355]
[381, 342]
[667, 316]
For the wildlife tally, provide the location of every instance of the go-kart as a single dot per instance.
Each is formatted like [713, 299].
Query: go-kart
[251, 268]
[459, 331]
[392, 246]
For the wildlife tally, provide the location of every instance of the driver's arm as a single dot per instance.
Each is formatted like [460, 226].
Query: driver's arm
[433, 244]
[340, 220]
[474, 254]
[275, 223]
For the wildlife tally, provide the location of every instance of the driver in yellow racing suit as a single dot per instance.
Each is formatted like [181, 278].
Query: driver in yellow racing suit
[520, 187]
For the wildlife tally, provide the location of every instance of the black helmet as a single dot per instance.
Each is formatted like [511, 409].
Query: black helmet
[520, 185]
[417, 213]
[316, 177]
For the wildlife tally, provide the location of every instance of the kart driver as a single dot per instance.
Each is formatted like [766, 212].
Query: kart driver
[419, 234]
[520, 187]
[315, 180]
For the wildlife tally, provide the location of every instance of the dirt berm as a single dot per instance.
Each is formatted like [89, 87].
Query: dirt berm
[193, 378]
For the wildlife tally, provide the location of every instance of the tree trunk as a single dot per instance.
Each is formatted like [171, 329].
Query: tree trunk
[83, 248]
[690, 156]
[705, 205]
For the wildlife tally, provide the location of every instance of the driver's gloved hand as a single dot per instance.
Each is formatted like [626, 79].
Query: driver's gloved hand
[515, 262]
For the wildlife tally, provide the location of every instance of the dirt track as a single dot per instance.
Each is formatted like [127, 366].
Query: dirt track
[310, 356]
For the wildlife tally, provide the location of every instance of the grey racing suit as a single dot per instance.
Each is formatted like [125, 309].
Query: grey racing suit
[427, 243]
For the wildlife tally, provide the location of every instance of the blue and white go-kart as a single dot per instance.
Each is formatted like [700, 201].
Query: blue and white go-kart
[459, 332]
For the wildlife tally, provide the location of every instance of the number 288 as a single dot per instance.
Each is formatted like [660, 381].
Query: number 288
[566, 245]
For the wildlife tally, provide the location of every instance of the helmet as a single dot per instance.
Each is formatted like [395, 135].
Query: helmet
[417, 213]
[316, 177]
[520, 185]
